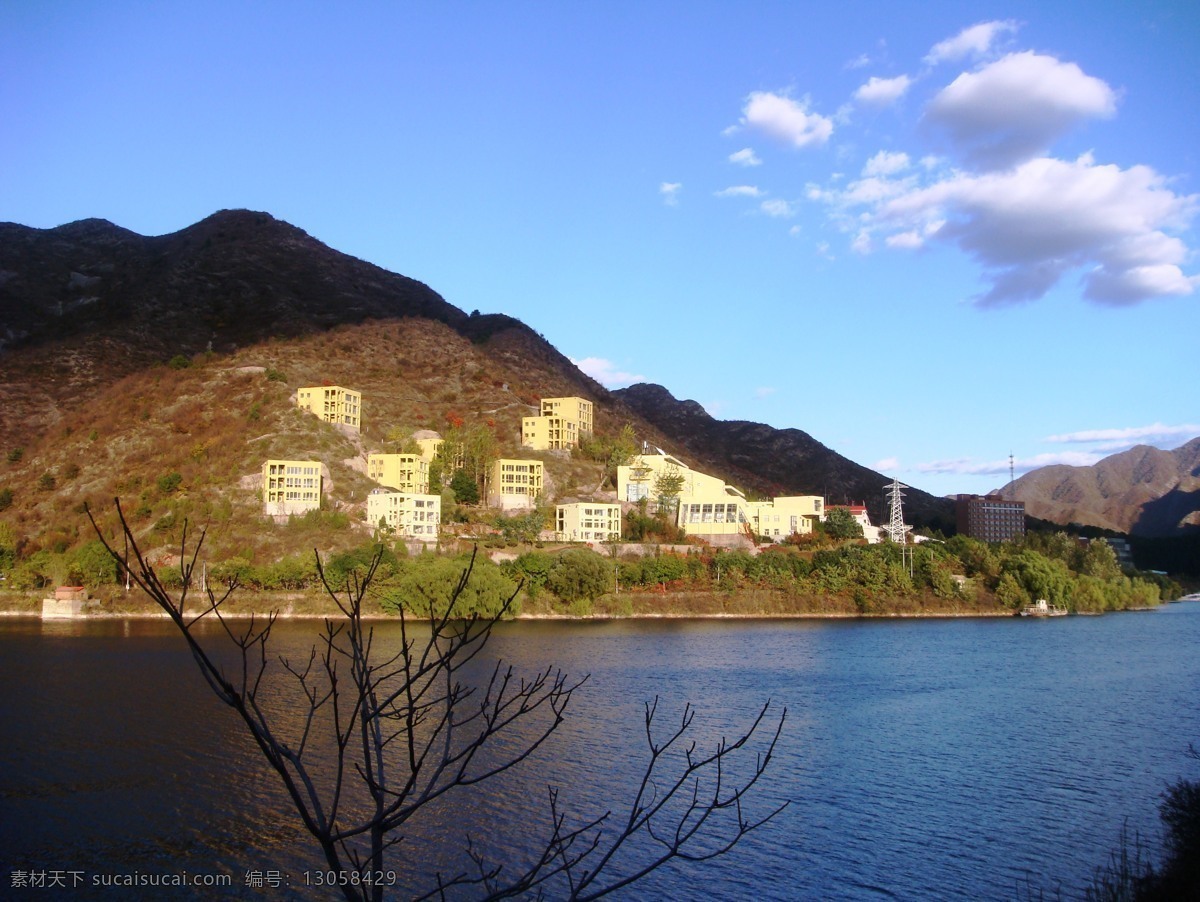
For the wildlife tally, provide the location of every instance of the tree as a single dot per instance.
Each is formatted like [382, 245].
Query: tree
[579, 574]
[464, 487]
[667, 486]
[840, 524]
[522, 527]
[385, 738]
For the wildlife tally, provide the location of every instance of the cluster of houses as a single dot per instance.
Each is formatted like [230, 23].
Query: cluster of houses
[701, 505]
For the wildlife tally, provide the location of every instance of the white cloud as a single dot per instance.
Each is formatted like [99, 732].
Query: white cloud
[670, 192]
[1131, 435]
[965, 466]
[764, 391]
[739, 191]
[975, 40]
[788, 120]
[745, 157]
[882, 91]
[859, 62]
[606, 372]
[886, 163]
[1030, 226]
[907, 240]
[1013, 109]
[888, 463]
[778, 208]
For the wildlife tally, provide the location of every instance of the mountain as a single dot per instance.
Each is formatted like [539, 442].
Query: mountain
[773, 461]
[1144, 491]
[247, 308]
[87, 303]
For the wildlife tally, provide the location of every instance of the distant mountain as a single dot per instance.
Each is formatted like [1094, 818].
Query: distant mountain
[1144, 491]
[773, 461]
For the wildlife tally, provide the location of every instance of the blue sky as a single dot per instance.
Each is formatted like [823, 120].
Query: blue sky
[930, 235]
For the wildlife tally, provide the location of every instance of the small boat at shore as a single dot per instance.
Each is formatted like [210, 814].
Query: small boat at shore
[1043, 608]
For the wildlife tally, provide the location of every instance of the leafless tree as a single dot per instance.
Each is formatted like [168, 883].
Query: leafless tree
[384, 737]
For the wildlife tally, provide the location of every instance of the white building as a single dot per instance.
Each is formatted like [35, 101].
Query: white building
[410, 515]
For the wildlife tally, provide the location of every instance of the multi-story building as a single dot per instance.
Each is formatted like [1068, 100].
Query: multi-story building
[587, 521]
[786, 515]
[989, 518]
[561, 424]
[412, 515]
[429, 442]
[515, 484]
[291, 487]
[333, 404]
[709, 507]
[400, 472]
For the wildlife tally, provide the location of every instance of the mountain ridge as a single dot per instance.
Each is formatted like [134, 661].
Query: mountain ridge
[1143, 491]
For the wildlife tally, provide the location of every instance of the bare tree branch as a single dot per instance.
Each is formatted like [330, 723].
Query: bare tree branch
[383, 737]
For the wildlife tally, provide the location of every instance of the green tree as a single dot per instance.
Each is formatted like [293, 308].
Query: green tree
[580, 574]
[8, 547]
[624, 449]
[667, 486]
[522, 528]
[1041, 577]
[91, 565]
[429, 585]
[1010, 592]
[464, 487]
[1099, 560]
[531, 569]
[840, 524]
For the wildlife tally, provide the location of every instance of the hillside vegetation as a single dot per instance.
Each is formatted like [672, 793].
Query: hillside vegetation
[162, 371]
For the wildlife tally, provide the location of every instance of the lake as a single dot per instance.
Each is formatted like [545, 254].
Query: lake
[950, 759]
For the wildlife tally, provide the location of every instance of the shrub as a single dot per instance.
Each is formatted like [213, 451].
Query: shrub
[427, 584]
[167, 483]
[579, 574]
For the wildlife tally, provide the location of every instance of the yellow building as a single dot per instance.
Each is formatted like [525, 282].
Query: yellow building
[587, 521]
[409, 514]
[707, 506]
[400, 472]
[333, 404]
[291, 487]
[515, 484]
[562, 423]
[429, 442]
[786, 515]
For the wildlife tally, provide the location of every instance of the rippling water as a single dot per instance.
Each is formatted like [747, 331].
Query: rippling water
[924, 759]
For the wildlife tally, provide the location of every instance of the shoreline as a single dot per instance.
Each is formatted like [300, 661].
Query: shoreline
[533, 618]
